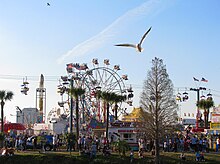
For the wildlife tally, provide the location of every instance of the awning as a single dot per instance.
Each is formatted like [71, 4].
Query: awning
[13, 126]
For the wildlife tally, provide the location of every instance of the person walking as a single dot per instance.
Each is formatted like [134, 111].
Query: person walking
[79, 141]
[54, 142]
[17, 143]
[217, 143]
[93, 150]
[35, 142]
[131, 156]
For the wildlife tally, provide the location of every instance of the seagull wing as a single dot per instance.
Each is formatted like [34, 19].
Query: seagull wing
[144, 35]
[127, 45]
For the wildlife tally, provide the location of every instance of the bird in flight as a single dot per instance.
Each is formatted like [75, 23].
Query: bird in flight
[48, 4]
[137, 46]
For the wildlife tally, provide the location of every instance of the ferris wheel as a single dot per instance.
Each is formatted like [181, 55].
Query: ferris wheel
[101, 78]
[58, 114]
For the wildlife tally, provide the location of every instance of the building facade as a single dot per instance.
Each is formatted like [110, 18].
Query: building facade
[27, 116]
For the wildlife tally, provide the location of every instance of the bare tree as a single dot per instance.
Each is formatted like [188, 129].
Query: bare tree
[158, 101]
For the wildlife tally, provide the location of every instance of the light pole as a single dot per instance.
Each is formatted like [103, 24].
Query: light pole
[21, 112]
[71, 107]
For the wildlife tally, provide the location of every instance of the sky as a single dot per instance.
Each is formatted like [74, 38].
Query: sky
[39, 39]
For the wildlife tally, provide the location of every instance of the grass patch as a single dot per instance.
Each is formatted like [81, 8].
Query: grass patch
[34, 157]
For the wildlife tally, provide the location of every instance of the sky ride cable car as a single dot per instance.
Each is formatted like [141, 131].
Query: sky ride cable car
[24, 86]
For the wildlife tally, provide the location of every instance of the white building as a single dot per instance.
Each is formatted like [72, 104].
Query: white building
[27, 116]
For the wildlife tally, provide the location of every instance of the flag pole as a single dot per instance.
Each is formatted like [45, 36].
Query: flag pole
[197, 115]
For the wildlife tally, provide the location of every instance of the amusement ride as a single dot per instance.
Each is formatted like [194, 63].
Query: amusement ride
[92, 110]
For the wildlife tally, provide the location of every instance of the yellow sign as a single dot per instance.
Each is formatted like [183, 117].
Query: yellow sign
[214, 125]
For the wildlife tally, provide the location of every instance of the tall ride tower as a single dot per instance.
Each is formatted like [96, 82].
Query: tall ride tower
[41, 100]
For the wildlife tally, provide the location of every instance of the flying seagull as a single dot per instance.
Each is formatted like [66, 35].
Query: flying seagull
[48, 4]
[137, 46]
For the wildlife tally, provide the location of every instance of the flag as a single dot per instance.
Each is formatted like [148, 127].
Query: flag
[70, 65]
[195, 79]
[204, 80]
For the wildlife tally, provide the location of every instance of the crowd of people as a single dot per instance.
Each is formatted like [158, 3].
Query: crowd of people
[86, 145]
[187, 141]
[187, 144]
[89, 146]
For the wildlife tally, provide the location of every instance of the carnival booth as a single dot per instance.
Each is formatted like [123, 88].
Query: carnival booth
[214, 130]
[127, 129]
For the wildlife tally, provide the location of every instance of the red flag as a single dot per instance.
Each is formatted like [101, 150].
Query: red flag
[70, 65]
[204, 80]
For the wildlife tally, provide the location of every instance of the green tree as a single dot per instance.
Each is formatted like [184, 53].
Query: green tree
[158, 101]
[108, 98]
[4, 96]
[118, 99]
[206, 105]
[121, 146]
[77, 93]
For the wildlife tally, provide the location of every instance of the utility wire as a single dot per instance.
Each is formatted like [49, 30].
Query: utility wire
[28, 78]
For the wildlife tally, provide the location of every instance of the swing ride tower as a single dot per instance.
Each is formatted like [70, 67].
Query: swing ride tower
[41, 100]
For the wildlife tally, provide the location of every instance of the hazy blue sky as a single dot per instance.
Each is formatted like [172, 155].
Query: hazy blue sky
[36, 38]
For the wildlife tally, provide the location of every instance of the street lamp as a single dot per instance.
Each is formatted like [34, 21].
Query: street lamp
[71, 107]
[21, 112]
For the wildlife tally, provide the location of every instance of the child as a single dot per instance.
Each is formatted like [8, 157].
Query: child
[202, 156]
[131, 156]
[140, 153]
[93, 150]
[153, 151]
[197, 156]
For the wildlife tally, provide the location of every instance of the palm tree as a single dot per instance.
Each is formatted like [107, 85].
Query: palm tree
[76, 93]
[108, 97]
[98, 96]
[4, 96]
[117, 99]
[206, 105]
